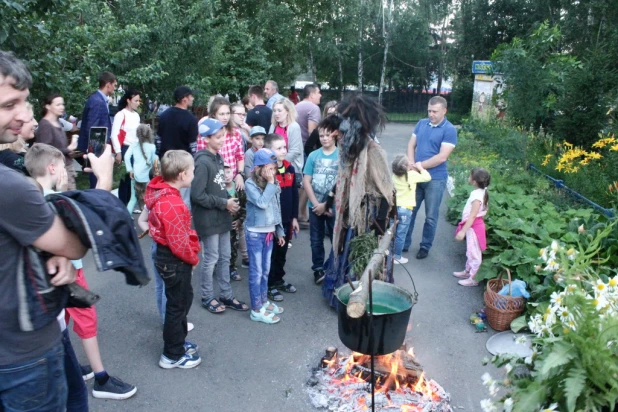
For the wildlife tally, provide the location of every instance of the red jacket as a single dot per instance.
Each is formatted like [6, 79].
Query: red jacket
[170, 221]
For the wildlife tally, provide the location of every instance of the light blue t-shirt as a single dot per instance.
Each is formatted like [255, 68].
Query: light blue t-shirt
[429, 140]
[77, 264]
[141, 165]
[323, 171]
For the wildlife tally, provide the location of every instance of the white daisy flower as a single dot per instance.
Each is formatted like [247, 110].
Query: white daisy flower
[555, 246]
[488, 406]
[508, 367]
[520, 340]
[508, 405]
[493, 389]
[487, 379]
[556, 298]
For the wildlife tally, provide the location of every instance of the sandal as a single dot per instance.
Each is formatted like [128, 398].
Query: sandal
[264, 317]
[273, 294]
[235, 276]
[286, 287]
[238, 305]
[214, 308]
[275, 309]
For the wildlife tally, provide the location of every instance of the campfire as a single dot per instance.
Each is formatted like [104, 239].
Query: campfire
[343, 384]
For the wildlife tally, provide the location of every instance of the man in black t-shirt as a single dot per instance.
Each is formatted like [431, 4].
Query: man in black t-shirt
[260, 115]
[177, 125]
[32, 359]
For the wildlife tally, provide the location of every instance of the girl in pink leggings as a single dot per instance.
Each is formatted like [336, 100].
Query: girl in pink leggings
[472, 226]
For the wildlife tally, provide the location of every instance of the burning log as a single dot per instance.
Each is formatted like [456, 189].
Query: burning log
[358, 298]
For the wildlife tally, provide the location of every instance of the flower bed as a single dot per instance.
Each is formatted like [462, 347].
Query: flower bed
[567, 256]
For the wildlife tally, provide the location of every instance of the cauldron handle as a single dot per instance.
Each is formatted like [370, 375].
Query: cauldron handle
[371, 348]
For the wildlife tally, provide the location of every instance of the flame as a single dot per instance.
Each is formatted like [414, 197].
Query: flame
[356, 373]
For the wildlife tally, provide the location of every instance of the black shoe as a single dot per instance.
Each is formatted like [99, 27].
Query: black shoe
[245, 264]
[422, 254]
[405, 249]
[114, 388]
[318, 276]
[87, 372]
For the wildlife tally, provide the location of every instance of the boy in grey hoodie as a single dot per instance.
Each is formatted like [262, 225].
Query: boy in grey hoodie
[212, 218]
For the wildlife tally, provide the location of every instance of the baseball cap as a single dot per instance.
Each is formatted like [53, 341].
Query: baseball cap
[181, 92]
[208, 127]
[257, 130]
[264, 157]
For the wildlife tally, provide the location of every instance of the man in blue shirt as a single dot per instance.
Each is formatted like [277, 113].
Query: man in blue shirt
[431, 143]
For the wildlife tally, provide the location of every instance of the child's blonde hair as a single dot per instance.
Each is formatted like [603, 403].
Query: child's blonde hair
[144, 135]
[175, 162]
[39, 157]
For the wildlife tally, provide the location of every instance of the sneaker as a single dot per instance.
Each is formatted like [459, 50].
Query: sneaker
[400, 261]
[185, 362]
[289, 245]
[468, 282]
[422, 254]
[190, 326]
[190, 348]
[318, 276]
[245, 263]
[405, 250]
[463, 274]
[114, 388]
[87, 372]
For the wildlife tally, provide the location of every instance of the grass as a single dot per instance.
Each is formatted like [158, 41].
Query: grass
[454, 118]
[82, 180]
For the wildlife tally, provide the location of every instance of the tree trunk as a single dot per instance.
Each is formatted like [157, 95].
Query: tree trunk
[360, 46]
[358, 298]
[312, 65]
[386, 28]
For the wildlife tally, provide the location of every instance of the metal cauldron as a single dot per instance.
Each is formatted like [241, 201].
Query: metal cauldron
[392, 306]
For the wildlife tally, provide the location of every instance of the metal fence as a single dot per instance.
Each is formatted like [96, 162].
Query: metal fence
[561, 186]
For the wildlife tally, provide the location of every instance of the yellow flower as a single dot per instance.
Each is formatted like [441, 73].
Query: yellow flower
[546, 160]
[567, 144]
[593, 155]
[614, 148]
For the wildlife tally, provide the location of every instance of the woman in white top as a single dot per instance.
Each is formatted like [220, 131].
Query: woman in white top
[125, 123]
[124, 135]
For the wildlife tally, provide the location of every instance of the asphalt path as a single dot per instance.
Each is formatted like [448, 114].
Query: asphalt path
[250, 366]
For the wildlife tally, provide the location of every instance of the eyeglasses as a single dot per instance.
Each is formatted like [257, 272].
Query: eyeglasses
[241, 114]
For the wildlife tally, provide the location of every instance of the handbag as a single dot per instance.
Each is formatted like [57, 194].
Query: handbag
[122, 134]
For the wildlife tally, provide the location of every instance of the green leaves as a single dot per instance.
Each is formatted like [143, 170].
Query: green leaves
[573, 386]
[560, 354]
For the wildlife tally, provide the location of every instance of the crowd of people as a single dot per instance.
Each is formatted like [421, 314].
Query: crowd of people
[238, 184]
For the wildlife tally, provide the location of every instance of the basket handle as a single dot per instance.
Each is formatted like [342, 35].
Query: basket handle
[508, 273]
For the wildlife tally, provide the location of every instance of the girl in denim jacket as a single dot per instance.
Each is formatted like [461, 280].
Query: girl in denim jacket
[262, 224]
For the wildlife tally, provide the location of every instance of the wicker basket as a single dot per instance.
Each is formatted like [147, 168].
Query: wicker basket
[501, 310]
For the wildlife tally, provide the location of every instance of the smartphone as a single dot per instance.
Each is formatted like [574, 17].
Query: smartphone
[96, 142]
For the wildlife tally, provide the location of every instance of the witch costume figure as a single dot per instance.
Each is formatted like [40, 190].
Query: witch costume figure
[363, 194]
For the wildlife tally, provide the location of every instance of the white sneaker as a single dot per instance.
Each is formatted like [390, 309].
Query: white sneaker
[400, 261]
[190, 326]
[185, 362]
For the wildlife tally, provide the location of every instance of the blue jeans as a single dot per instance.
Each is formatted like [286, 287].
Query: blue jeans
[431, 192]
[159, 285]
[405, 216]
[36, 385]
[260, 253]
[319, 228]
[77, 400]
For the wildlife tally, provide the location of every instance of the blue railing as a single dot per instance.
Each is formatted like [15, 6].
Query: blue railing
[560, 185]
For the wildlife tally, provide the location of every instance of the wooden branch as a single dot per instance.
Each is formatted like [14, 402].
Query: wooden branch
[358, 298]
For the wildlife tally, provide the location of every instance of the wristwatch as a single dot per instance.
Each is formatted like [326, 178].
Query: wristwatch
[241, 174]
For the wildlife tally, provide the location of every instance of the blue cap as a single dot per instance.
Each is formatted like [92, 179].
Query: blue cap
[208, 127]
[264, 157]
[257, 130]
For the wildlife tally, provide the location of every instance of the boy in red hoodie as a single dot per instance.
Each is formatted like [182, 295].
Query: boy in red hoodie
[178, 250]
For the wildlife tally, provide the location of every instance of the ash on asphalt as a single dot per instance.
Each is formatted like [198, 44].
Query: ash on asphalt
[249, 366]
